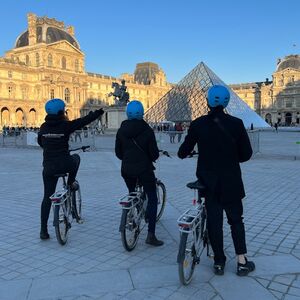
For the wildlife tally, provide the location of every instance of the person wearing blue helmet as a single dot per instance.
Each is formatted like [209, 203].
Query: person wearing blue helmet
[136, 147]
[223, 144]
[53, 137]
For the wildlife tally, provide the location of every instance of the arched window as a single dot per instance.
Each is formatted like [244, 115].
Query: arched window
[27, 60]
[37, 59]
[50, 60]
[67, 95]
[63, 63]
[76, 65]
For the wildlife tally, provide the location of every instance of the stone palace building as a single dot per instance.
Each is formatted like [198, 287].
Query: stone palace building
[277, 101]
[47, 62]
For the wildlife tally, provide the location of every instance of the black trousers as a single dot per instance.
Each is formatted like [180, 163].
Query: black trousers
[65, 165]
[148, 181]
[234, 213]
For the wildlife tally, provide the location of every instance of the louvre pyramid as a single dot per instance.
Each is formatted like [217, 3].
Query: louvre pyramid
[187, 101]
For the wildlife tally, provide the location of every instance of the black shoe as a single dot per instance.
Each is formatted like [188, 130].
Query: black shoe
[44, 235]
[152, 240]
[219, 269]
[245, 269]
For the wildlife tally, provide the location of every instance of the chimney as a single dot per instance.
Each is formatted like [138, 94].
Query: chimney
[31, 28]
[70, 30]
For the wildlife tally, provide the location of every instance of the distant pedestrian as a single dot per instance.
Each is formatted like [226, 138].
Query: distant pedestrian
[251, 127]
[172, 133]
[179, 131]
[276, 127]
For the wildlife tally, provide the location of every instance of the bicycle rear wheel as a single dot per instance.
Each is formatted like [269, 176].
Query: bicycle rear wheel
[186, 258]
[129, 229]
[77, 204]
[162, 197]
[61, 224]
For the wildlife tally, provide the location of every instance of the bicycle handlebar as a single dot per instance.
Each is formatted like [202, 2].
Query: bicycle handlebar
[83, 148]
[166, 153]
[193, 153]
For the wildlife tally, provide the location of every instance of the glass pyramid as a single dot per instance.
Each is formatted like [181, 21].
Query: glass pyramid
[187, 101]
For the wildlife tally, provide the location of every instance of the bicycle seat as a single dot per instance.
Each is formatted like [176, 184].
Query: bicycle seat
[196, 185]
[61, 175]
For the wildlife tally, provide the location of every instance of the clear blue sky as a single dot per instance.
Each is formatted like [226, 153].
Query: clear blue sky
[239, 40]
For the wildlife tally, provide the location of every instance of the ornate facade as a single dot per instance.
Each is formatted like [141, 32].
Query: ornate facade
[277, 101]
[47, 62]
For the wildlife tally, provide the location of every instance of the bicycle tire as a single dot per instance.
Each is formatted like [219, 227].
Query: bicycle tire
[183, 263]
[126, 220]
[61, 226]
[162, 197]
[77, 204]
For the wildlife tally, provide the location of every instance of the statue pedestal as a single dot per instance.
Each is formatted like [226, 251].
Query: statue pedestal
[115, 116]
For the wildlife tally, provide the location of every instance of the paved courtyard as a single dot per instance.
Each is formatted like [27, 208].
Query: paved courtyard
[94, 265]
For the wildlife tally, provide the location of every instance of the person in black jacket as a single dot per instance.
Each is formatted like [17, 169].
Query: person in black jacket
[222, 143]
[137, 148]
[53, 137]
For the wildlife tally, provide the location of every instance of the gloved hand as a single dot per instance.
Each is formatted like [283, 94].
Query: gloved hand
[100, 111]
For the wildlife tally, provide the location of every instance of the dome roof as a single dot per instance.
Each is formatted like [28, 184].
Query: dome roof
[47, 34]
[291, 61]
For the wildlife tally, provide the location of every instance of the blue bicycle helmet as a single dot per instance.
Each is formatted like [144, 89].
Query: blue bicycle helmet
[54, 106]
[218, 95]
[135, 110]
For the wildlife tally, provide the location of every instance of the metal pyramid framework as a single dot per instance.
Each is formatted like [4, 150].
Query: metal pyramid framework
[187, 101]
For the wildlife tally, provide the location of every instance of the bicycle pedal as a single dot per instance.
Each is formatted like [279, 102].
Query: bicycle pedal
[80, 221]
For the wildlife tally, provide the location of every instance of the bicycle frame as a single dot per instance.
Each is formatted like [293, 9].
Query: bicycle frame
[189, 222]
[132, 200]
[59, 198]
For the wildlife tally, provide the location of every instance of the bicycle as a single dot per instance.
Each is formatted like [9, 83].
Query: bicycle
[67, 206]
[134, 206]
[193, 234]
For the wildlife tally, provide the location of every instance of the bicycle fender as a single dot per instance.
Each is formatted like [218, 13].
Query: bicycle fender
[56, 216]
[181, 250]
[123, 222]
[180, 256]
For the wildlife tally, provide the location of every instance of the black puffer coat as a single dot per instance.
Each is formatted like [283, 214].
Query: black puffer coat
[136, 159]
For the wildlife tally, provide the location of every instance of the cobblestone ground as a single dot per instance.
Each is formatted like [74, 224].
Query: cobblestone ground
[94, 265]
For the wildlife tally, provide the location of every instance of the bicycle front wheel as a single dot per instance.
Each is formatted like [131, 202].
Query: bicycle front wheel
[162, 197]
[61, 224]
[129, 229]
[186, 258]
[77, 204]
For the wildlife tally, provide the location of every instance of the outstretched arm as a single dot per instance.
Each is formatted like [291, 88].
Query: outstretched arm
[189, 143]
[81, 122]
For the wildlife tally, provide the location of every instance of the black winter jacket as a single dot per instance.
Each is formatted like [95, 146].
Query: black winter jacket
[136, 161]
[219, 153]
[54, 134]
